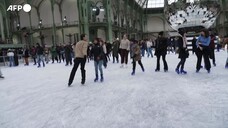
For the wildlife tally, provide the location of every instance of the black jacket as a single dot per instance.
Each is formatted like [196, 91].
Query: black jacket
[183, 52]
[40, 50]
[97, 52]
[161, 46]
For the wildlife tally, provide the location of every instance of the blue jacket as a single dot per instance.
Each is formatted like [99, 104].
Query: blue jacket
[204, 41]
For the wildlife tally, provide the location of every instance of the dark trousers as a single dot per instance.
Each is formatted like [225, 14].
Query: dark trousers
[205, 54]
[116, 58]
[164, 62]
[212, 55]
[134, 64]
[34, 59]
[124, 56]
[78, 61]
[54, 58]
[181, 63]
[61, 56]
[68, 59]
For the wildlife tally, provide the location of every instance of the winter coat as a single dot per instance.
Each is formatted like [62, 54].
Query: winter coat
[212, 43]
[183, 51]
[40, 50]
[125, 44]
[115, 49]
[80, 49]
[53, 51]
[161, 46]
[10, 54]
[26, 53]
[97, 52]
[136, 52]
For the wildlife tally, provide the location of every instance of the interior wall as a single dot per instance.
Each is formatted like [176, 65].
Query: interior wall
[156, 24]
[45, 13]
[69, 9]
[101, 34]
[34, 17]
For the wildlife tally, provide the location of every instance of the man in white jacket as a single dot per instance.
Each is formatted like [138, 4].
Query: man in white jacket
[10, 54]
[124, 50]
[149, 48]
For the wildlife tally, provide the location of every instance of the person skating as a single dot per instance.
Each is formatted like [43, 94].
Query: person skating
[33, 53]
[10, 54]
[203, 50]
[161, 50]
[98, 54]
[124, 50]
[80, 50]
[183, 53]
[115, 51]
[68, 56]
[136, 56]
[1, 75]
[149, 48]
[26, 56]
[54, 54]
[40, 54]
[225, 43]
[212, 48]
[194, 45]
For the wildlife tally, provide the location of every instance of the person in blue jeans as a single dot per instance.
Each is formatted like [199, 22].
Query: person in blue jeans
[40, 54]
[203, 50]
[149, 48]
[10, 54]
[98, 54]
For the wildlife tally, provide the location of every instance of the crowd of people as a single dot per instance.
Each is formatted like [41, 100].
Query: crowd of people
[100, 52]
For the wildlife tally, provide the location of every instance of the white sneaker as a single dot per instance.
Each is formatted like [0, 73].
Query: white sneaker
[125, 66]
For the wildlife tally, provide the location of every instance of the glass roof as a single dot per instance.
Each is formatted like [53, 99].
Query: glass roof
[157, 3]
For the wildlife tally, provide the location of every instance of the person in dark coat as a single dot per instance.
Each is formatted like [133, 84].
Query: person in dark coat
[136, 56]
[16, 60]
[54, 54]
[203, 50]
[68, 56]
[98, 54]
[194, 45]
[40, 54]
[161, 51]
[33, 53]
[115, 50]
[26, 56]
[212, 48]
[183, 53]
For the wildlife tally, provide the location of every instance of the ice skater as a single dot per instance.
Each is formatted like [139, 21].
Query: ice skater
[136, 56]
[80, 50]
[98, 55]
[183, 53]
[161, 51]
[203, 49]
[124, 50]
[1, 75]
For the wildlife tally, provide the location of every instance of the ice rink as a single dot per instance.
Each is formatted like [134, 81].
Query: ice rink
[32, 97]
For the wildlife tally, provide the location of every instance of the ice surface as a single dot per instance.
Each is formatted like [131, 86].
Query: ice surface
[32, 97]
